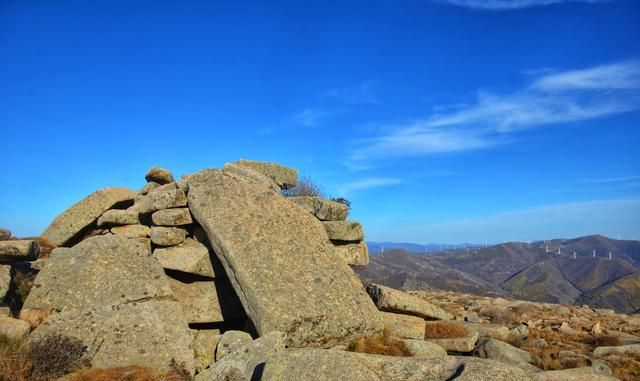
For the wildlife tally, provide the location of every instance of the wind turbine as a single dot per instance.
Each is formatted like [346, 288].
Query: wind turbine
[574, 255]
[558, 251]
[382, 244]
[594, 253]
[609, 255]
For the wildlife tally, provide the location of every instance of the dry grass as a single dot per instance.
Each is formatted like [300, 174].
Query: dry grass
[626, 369]
[305, 187]
[381, 344]
[130, 373]
[445, 330]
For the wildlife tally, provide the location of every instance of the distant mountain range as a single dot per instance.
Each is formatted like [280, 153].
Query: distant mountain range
[544, 271]
[377, 247]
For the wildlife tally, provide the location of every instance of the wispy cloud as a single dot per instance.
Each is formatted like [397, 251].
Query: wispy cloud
[499, 5]
[310, 117]
[367, 183]
[493, 119]
[609, 180]
[359, 94]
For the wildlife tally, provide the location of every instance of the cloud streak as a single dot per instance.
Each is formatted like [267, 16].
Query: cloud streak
[494, 119]
[309, 117]
[360, 94]
[366, 184]
[501, 5]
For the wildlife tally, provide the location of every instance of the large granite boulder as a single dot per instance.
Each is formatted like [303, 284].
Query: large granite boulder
[404, 326]
[576, 374]
[150, 333]
[500, 351]
[344, 230]
[356, 254]
[18, 250]
[281, 263]
[323, 209]
[85, 213]
[388, 299]
[190, 257]
[99, 271]
[284, 177]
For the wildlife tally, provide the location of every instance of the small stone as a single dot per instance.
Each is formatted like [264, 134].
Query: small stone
[344, 230]
[160, 199]
[18, 250]
[118, 217]
[458, 344]
[190, 257]
[132, 231]
[5, 234]
[596, 329]
[622, 349]
[230, 341]
[354, 254]
[404, 326]
[497, 350]
[167, 236]
[322, 208]
[388, 299]
[172, 217]
[421, 348]
[13, 329]
[159, 175]
[204, 346]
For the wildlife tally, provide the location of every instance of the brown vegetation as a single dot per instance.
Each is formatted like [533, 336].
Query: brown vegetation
[130, 373]
[445, 330]
[381, 344]
[305, 187]
[625, 368]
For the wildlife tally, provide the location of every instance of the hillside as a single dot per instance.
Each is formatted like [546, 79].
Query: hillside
[531, 271]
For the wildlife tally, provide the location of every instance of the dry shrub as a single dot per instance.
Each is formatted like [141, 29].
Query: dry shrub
[381, 344]
[602, 341]
[46, 246]
[627, 368]
[56, 355]
[130, 373]
[14, 364]
[305, 187]
[445, 330]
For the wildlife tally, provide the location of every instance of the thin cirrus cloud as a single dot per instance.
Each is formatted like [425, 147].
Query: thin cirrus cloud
[359, 94]
[366, 184]
[610, 180]
[493, 119]
[500, 5]
[310, 117]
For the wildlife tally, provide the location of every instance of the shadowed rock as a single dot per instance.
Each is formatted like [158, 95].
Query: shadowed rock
[190, 257]
[18, 250]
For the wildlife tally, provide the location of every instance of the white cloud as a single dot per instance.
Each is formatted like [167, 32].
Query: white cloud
[510, 4]
[360, 94]
[552, 98]
[608, 180]
[367, 183]
[310, 117]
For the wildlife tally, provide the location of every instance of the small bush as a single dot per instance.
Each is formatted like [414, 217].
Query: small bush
[445, 330]
[381, 344]
[343, 201]
[56, 355]
[305, 187]
[14, 364]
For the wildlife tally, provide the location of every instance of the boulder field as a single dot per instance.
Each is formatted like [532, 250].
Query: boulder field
[223, 274]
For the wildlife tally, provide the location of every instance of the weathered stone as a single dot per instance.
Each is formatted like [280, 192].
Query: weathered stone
[167, 236]
[204, 346]
[5, 310]
[148, 187]
[404, 326]
[118, 217]
[500, 351]
[190, 257]
[488, 330]
[596, 329]
[356, 254]
[475, 369]
[230, 342]
[18, 250]
[241, 363]
[518, 333]
[5, 280]
[458, 344]
[13, 329]
[566, 328]
[153, 333]
[323, 209]
[172, 217]
[622, 349]
[344, 231]
[280, 263]
[205, 302]
[254, 176]
[388, 299]
[84, 213]
[576, 374]
[421, 348]
[132, 231]
[160, 199]
[159, 175]
[100, 271]
[4, 234]
[284, 177]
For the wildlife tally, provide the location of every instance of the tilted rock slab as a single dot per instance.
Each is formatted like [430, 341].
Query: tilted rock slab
[18, 250]
[388, 299]
[84, 213]
[190, 257]
[284, 177]
[281, 263]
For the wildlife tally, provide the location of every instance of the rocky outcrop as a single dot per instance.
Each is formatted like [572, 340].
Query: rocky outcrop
[321, 208]
[280, 263]
[404, 326]
[500, 351]
[18, 250]
[284, 177]
[458, 344]
[388, 299]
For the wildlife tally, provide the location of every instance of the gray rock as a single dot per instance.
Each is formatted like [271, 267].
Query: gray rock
[421, 348]
[160, 199]
[13, 329]
[518, 333]
[356, 254]
[132, 231]
[284, 177]
[205, 302]
[85, 213]
[5, 234]
[19, 250]
[388, 299]
[249, 174]
[167, 236]
[172, 217]
[152, 332]
[204, 346]
[458, 344]
[576, 374]
[190, 257]
[488, 330]
[5, 280]
[475, 369]
[323, 209]
[100, 271]
[500, 351]
[344, 230]
[159, 175]
[118, 217]
[280, 263]
[231, 341]
[404, 326]
[622, 349]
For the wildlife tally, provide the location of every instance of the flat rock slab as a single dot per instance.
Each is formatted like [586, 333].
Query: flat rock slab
[132, 231]
[284, 177]
[84, 214]
[18, 250]
[281, 263]
[207, 302]
[500, 351]
[350, 231]
[576, 374]
[355, 254]
[613, 350]
[489, 330]
[99, 271]
[172, 217]
[160, 198]
[458, 344]
[323, 209]
[190, 257]
[421, 348]
[118, 217]
[389, 299]
[151, 333]
[167, 236]
[404, 326]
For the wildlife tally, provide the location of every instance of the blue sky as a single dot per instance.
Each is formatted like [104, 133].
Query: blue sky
[441, 120]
